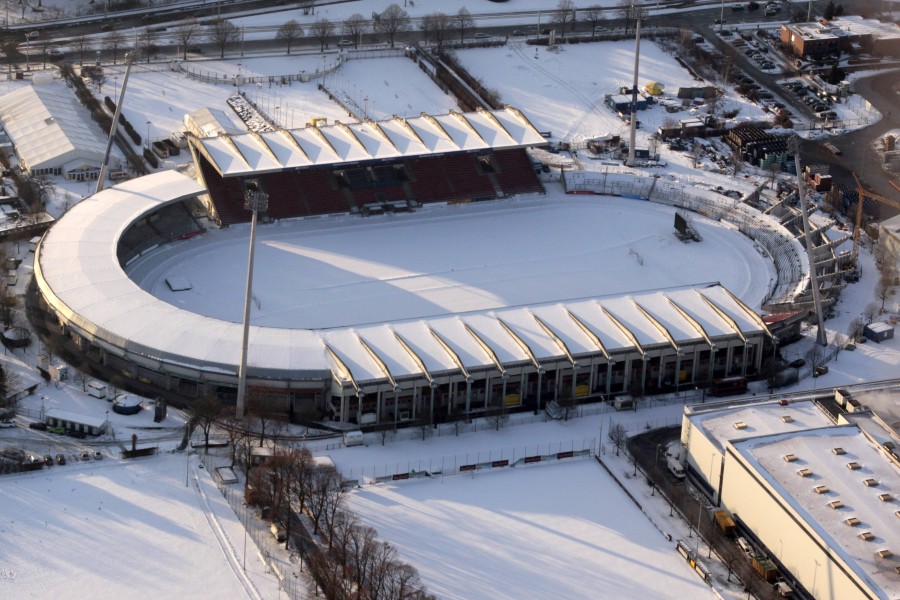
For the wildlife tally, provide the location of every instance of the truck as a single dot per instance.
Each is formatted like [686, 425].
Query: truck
[765, 567]
[724, 522]
[675, 467]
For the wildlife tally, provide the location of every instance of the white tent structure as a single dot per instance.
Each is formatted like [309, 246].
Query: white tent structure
[52, 133]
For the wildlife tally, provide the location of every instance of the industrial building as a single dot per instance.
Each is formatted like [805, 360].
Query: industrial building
[812, 482]
[845, 34]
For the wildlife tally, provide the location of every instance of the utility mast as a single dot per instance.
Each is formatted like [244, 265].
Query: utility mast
[634, 88]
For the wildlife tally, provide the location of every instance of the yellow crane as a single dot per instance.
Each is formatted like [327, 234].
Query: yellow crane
[862, 193]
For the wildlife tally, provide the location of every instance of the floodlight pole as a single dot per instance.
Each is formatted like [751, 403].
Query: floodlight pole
[821, 339]
[255, 200]
[634, 92]
[104, 169]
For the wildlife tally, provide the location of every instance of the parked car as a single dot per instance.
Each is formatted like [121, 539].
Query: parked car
[6, 423]
[80, 435]
[553, 410]
[60, 459]
[48, 460]
[481, 36]
[56, 430]
[345, 43]
[39, 425]
[85, 455]
[98, 455]
[797, 363]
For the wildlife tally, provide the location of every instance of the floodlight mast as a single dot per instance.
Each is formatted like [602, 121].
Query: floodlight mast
[104, 169]
[634, 88]
[821, 338]
[255, 200]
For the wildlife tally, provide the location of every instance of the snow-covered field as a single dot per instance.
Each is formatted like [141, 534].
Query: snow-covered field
[563, 90]
[128, 530]
[451, 259]
[495, 537]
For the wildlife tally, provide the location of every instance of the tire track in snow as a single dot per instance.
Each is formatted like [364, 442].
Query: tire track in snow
[228, 550]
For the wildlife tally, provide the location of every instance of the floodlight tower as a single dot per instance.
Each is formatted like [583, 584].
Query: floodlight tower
[634, 88]
[104, 169]
[821, 339]
[255, 200]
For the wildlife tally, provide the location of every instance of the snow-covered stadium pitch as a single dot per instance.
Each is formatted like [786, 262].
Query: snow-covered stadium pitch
[346, 271]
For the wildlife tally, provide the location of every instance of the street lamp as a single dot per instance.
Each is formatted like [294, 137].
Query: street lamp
[28, 50]
[255, 200]
[148, 135]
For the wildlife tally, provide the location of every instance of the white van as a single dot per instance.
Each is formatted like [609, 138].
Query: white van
[278, 532]
[354, 438]
[625, 402]
[675, 468]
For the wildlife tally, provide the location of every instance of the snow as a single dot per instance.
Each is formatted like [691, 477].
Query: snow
[579, 535]
[118, 529]
[561, 96]
[450, 259]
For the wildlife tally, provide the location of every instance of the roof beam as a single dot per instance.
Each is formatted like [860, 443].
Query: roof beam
[437, 124]
[493, 119]
[555, 338]
[753, 316]
[318, 133]
[414, 356]
[347, 373]
[659, 326]
[230, 142]
[625, 331]
[484, 346]
[694, 323]
[462, 119]
[522, 344]
[451, 353]
[589, 332]
[374, 125]
[262, 141]
[725, 317]
[378, 361]
[521, 116]
[405, 124]
[353, 136]
[293, 141]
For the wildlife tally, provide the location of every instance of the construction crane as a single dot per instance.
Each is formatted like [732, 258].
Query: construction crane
[863, 194]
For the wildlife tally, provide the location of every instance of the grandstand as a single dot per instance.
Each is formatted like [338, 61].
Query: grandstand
[371, 166]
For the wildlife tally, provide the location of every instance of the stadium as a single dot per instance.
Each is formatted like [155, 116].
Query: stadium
[418, 271]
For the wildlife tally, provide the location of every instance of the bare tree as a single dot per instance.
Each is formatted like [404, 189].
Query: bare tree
[737, 162]
[147, 44]
[815, 358]
[564, 15]
[185, 34]
[871, 311]
[204, 411]
[320, 31]
[855, 329]
[392, 21]
[436, 26]
[618, 436]
[289, 32]
[462, 22]
[8, 303]
[41, 189]
[222, 33]
[355, 25]
[325, 498]
[840, 341]
[114, 42]
[696, 154]
[884, 287]
[631, 13]
[594, 16]
[82, 45]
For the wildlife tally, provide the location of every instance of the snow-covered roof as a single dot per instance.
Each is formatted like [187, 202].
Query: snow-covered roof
[210, 122]
[338, 143]
[762, 418]
[78, 271]
[814, 450]
[49, 128]
[90, 421]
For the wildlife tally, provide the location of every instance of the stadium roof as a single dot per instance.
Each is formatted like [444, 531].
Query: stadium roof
[814, 450]
[78, 272]
[273, 151]
[49, 128]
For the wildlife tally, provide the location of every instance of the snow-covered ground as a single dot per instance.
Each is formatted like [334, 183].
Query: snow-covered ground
[563, 90]
[450, 259]
[492, 536]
